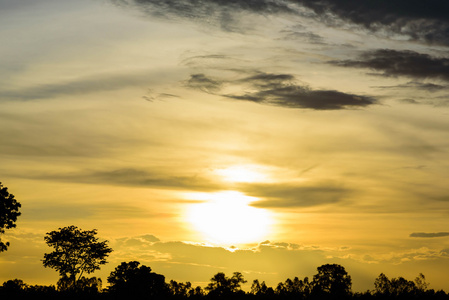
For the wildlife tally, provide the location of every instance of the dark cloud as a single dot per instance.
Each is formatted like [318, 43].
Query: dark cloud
[401, 63]
[203, 83]
[136, 177]
[133, 177]
[281, 90]
[307, 36]
[302, 97]
[216, 12]
[150, 96]
[429, 234]
[429, 87]
[278, 195]
[205, 60]
[425, 21]
[410, 101]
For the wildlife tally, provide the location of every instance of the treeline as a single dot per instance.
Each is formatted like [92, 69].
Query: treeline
[130, 280]
[77, 253]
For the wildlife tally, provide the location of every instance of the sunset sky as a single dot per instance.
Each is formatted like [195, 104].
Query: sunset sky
[267, 137]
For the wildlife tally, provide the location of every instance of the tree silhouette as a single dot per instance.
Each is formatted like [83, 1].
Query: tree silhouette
[130, 279]
[261, 289]
[333, 280]
[84, 285]
[75, 252]
[9, 211]
[14, 286]
[179, 289]
[402, 286]
[296, 288]
[382, 285]
[222, 286]
[399, 287]
[420, 282]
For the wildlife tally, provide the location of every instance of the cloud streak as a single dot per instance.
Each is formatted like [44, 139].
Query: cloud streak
[132, 177]
[80, 86]
[291, 195]
[401, 63]
[280, 90]
[424, 21]
[217, 12]
[428, 87]
[429, 234]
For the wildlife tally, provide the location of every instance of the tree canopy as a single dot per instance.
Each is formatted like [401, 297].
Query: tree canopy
[221, 285]
[75, 252]
[9, 211]
[131, 279]
[134, 281]
[332, 279]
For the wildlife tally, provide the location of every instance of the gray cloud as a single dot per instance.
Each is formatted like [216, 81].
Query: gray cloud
[281, 90]
[302, 97]
[307, 36]
[69, 212]
[401, 63]
[133, 177]
[208, 60]
[80, 86]
[429, 234]
[203, 83]
[424, 21]
[216, 12]
[429, 87]
[290, 195]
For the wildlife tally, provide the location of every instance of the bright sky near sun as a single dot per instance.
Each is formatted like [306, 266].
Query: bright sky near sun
[265, 137]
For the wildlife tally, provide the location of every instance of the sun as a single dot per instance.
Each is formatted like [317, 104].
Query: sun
[242, 173]
[227, 218]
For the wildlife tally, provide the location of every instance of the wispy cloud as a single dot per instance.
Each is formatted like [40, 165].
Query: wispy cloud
[425, 86]
[203, 83]
[424, 21]
[429, 234]
[401, 63]
[297, 195]
[132, 177]
[280, 90]
[223, 13]
[78, 86]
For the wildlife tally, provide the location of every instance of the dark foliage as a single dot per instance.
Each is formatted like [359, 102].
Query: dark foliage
[9, 211]
[75, 252]
[130, 280]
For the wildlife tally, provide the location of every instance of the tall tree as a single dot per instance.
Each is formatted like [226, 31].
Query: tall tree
[222, 286]
[421, 283]
[9, 211]
[261, 289]
[75, 252]
[131, 279]
[333, 280]
[382, 285]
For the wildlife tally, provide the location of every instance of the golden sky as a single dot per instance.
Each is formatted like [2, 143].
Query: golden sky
[265, 137]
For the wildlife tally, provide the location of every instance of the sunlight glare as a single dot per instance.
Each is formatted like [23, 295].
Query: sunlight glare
[242, 173]
[227, 218]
